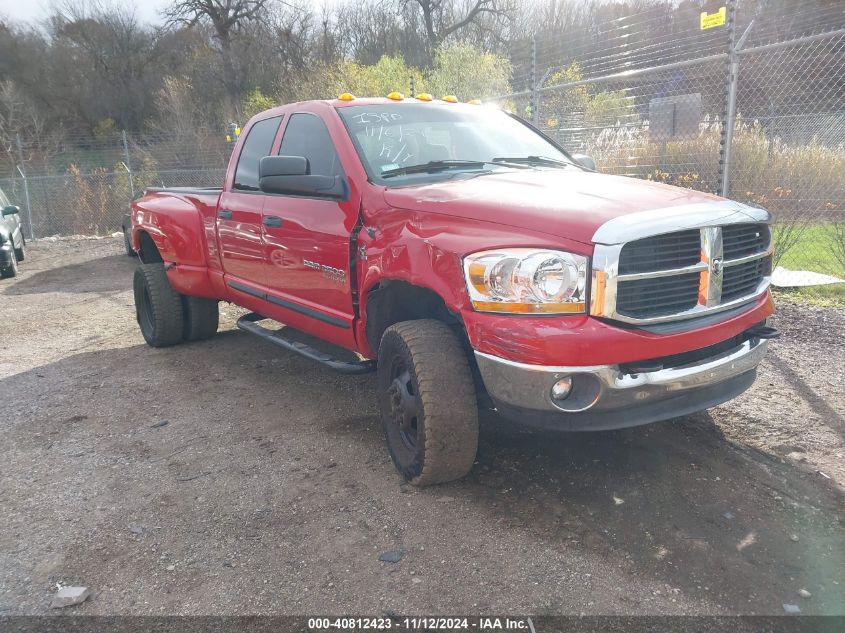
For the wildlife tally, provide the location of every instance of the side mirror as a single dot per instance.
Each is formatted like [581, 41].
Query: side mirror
[585, 161]
[11, 210]
[291, 175]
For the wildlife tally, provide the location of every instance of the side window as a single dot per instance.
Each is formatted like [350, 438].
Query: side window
[307, 135]
[4, 201]
[258, 144]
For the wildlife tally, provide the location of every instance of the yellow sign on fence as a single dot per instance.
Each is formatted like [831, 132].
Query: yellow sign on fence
[712, 20]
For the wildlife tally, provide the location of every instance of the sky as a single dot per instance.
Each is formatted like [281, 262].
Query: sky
[28, 10]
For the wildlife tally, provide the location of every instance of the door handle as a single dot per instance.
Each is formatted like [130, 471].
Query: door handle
[272, 221]
[224, 215]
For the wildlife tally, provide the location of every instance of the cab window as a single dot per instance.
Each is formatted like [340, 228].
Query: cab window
[259, 142]
[306, 135]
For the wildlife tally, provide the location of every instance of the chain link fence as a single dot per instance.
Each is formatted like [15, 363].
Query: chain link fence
[77, 185]
[751, 107]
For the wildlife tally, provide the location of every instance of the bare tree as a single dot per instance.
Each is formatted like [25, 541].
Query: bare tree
[442, 18]
[227, 18]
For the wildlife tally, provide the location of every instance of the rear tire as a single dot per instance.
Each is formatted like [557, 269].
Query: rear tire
[127, 245]
[427, 401]
[12, 269]
[158, 307]
[201, 318]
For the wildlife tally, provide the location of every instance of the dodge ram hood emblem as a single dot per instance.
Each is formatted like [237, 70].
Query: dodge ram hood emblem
[716, 266]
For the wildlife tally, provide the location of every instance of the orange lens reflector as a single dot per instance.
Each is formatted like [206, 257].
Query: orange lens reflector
[529, 308]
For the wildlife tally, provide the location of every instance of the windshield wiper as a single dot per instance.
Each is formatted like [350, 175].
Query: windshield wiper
[534, 160]
[444, 165]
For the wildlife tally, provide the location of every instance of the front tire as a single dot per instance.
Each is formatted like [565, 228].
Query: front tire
[158, 307]
[427, 401]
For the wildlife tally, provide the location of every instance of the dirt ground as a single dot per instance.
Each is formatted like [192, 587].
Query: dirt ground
[229, 477]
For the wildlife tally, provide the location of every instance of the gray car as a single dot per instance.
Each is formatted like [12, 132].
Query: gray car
[12, 241]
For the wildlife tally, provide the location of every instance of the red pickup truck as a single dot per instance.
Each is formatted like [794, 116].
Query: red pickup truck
[470, 261]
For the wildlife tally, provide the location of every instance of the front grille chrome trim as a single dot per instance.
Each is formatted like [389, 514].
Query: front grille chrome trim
[606, 258]
[669, 272]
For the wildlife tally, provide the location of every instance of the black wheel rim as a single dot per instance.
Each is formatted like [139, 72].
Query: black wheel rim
[145, 312]
[404, 406]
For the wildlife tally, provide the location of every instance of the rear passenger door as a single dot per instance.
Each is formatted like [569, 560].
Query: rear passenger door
[239, 211]
[307, 239]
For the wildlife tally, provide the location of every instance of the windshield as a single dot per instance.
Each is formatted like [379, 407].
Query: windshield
[392, 137]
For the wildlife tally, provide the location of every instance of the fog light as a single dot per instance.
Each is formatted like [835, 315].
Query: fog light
[562, 388]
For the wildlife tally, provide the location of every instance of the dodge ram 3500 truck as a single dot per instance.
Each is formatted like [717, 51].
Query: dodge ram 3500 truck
[470, 261]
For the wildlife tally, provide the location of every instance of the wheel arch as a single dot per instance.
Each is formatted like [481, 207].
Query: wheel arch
[148, 251]
[390, 301]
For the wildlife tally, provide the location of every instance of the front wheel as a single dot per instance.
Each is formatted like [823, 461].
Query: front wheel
[158, 307]
[427, 401]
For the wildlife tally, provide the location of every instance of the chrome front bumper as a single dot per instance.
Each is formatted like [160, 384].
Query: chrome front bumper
[605, 396]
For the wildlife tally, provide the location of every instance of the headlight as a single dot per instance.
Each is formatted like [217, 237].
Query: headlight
[526, 281]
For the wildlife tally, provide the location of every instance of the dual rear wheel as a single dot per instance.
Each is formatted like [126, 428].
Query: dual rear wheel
[167, 317]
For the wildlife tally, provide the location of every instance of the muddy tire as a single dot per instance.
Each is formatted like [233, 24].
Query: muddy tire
[12, 269]
[200, 318]
[158, 307]
[427, 402]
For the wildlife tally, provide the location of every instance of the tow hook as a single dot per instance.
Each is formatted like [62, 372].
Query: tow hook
[762, 331]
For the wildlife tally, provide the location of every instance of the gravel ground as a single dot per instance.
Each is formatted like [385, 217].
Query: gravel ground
[229, 477]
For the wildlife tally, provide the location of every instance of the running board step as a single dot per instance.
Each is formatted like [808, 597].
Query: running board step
[249, 323]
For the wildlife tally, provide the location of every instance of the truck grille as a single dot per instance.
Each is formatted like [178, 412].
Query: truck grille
[674, 250]
[644, 298]
[686, 272]
[743, 279]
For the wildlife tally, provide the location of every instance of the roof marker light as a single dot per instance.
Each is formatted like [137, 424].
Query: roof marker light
[395, 96]
[424, 96]
[346, 96]
[474, 102]
[450, 99]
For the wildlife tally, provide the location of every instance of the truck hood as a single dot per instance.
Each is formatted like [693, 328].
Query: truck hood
[566, 203]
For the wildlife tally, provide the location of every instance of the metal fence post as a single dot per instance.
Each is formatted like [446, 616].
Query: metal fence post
[25, 187]
[128, 164]
[535, 95]
[729, 119]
